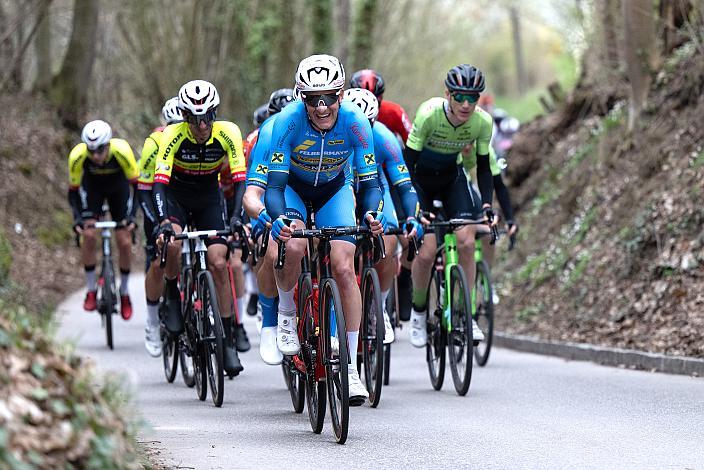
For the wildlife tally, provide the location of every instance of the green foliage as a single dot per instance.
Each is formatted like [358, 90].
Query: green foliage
[525, 107]
[528, 312]
[58, 233]
[5, 258]
[577, 272]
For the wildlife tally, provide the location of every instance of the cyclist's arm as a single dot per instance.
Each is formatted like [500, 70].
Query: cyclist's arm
[232, 142]
[162, 174]
[76, 159]
[398, 173]
[485, 180]
[150, 151]
[411, 156]
[503, 196]
[279, 161]
[252, 200]
[370, 194]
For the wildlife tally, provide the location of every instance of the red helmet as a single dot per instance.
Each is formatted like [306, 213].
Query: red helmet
[369, 79]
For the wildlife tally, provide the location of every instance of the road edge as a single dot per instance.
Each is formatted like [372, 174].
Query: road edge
[614, 357]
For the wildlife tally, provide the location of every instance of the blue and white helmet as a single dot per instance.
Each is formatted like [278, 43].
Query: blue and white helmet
[96, 133]
[365, 99]
[320, 72]
[171, 112]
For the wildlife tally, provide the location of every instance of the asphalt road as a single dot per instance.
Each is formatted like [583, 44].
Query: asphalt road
[522, 411]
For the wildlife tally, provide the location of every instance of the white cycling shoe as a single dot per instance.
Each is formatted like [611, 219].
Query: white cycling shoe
[286, 337]
[419, 332]
[357, 391]
[152, 340]
[268, 350]
[477, 334]
[389, 335]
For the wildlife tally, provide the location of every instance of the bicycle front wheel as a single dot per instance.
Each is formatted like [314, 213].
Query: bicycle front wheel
[108, 299]
[392, 311]
[213, 336]
[459, 340]
[435, 349]
[336, 360]
[484, 314]
[372, 336]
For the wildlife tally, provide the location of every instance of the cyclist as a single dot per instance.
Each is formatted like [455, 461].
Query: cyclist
[153, 280]
[388, 153]
[186, 190]
[393, 116]
[102, 167]
[441, 129]
[313, 143]
[253, 203]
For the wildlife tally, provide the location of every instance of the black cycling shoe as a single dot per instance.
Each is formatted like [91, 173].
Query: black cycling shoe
[405, 294]
[252, 305]
[241, 339]
[173, 320]
[233, 366]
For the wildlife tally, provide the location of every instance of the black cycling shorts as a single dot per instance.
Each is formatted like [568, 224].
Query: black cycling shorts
[200, 211]
[458, 198]
[117, 195]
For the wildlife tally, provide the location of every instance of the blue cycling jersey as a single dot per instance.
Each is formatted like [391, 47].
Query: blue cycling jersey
[305, 158]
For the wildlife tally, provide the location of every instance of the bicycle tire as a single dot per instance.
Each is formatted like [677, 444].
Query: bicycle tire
[187, 372]
[459, 340]
[372, 336]
[108, 297]
[197, 350]
[311, 353]
[213, 336]
[435, 349]
[484, 315]
[336, 367]
[169, 354]
[295, 383]
[391, 309]
[185, 352]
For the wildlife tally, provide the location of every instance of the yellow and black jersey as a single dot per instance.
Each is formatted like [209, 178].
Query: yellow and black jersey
[120, 163]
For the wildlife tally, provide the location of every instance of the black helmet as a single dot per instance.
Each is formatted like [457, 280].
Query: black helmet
[260, 114]
[279, 100]
[369, 79]
[465, 77]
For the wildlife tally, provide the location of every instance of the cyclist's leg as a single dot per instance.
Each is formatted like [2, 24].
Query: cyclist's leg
[172, 295]
[268, 350]
[286, 278]
[387, 267]
[118, 201]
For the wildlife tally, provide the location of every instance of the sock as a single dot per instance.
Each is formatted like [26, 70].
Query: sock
[91, 284]
[240, 309]
[124, 282]
[420, 299]
[251, 282]
[404, 277]
[384, 297]
[227, 326]
[286, 303]
[352, 344]
[268, 311]
[152, 313]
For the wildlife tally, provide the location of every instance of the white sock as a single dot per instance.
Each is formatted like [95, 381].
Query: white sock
[90, 280]
[384, 296]
[352, 344]
[152, 314]
[251, 282]
[286, 303]
[124, 282]
[241, 308]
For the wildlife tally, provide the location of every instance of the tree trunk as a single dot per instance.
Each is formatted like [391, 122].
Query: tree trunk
[639, 53]
[609, 39]
[42, 45]
[521, 83]
[322, 26]
[69, 88]
[363, 34]
[342, 38]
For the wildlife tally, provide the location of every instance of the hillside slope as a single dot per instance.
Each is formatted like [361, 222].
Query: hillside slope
[611, 247]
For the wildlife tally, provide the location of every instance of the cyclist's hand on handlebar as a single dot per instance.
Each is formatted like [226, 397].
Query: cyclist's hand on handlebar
[282, 228]
[264, 218]
[376, 222]
[165, 232]
[236, 227]
[78, 227]
[416, 228]
[426, 217]
[130, 224]
[489, 216]
[512, 227]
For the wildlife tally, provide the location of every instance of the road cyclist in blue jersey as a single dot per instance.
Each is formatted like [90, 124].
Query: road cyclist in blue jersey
[314, 143]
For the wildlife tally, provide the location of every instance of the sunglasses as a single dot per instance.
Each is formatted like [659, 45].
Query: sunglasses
[98, 149]
[208, 117]
[320, 100]
[471, 98]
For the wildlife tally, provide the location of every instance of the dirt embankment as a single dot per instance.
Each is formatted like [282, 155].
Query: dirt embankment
[611, 248]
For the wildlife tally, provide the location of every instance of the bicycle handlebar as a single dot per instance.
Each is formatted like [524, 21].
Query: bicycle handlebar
[202, 234]
[413, 241]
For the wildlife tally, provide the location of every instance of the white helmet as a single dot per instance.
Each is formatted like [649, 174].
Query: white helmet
[320, 73]
[171, 112]
[96, 133]
[365, 99]
[198, 97]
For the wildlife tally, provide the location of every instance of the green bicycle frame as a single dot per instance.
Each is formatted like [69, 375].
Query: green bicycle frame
[451, 259]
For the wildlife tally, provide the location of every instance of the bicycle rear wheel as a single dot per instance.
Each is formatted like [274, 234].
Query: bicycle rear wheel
[187, 372]
[213, 336]
[484, 314]
[169, 354]
[109, 301]
[435, 349]
[372, 336]
[311, 353]
[336, 362]
[459, 340]
[184, 349]
[391, 309]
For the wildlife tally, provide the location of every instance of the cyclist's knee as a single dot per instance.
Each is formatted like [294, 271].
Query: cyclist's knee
[90, 236]
[343, 270]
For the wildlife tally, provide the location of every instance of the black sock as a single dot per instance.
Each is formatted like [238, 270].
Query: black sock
[172, 288]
